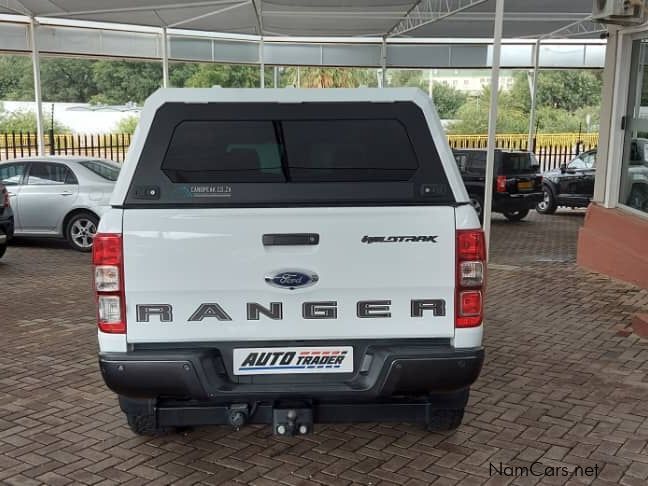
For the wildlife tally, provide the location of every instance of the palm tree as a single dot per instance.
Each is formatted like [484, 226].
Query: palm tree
[316, 77]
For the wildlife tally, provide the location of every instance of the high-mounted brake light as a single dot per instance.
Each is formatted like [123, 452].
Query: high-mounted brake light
[471, 263]
[501, 184]
[107, 258]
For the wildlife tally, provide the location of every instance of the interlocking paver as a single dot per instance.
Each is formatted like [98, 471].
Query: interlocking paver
[565, 383]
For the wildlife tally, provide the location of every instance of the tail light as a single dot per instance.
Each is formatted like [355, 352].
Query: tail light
[471, 269]
[108, 262]
[5, 198]
[501, 184]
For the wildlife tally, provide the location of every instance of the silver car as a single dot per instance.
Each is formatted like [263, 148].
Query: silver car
[59, 196]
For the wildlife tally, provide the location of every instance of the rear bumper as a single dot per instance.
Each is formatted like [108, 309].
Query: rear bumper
[516, 202]
[381, 372]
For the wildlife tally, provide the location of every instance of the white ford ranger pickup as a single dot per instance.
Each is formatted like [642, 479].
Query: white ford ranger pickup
[289, 257]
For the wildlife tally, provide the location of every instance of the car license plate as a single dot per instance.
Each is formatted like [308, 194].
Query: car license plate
[281, 361]
[525, 186]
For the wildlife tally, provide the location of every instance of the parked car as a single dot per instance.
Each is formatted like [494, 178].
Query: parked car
[6, 219]
[570, 185]
[59, 196]
[517, 184]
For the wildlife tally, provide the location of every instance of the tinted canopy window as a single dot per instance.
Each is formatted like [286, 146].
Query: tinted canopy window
[224, 151]
[299, 151]
[348, 150]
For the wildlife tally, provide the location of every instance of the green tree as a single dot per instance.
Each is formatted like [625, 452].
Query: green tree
[447, 100]
[180, 72]
[472, 116]
[120, 82]
[16, 78]
[225, 76]
[412, 78]
[24, 121]
[68, 80]
[325, 77]
[127, 125]
[563, 89]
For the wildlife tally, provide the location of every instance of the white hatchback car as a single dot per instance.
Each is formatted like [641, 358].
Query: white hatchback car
[59, 196]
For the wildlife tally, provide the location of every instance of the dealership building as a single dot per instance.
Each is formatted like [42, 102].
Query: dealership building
[614, 238]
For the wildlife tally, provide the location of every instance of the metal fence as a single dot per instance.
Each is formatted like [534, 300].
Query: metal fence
[552, 149]
[108, 146]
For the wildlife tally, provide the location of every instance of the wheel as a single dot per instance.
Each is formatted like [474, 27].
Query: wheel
[145, 425]
[81, 230]
[516, 215]
[3, 249]
[548, 204]
[444, 419]
[477, 202]
[638, 198]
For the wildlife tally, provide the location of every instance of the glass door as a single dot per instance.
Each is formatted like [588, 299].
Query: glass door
[633, 191]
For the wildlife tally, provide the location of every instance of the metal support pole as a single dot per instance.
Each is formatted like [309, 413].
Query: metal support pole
[275, 77]
[534, 93]
[165, 58]
[261, 64]
[383, 63]
[492, 120]
[37, 87]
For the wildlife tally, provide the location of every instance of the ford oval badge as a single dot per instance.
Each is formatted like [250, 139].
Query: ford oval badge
[292, 279]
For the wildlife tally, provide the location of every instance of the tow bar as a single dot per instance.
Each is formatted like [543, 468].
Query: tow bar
[288, 422]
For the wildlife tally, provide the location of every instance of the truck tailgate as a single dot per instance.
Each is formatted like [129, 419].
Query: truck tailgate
[216, 256]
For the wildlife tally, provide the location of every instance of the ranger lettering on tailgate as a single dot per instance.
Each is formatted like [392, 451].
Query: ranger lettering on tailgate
[310, 310]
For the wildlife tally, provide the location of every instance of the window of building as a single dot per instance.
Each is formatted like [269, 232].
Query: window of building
[633, 191]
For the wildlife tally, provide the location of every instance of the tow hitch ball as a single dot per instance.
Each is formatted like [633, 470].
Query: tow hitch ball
[292, 421]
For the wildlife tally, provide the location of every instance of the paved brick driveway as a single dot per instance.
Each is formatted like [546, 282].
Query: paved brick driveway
[564, 384]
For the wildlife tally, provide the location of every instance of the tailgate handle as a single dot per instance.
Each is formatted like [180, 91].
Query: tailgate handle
[290, 239]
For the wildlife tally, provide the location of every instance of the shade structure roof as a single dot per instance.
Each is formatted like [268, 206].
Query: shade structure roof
[470, 19]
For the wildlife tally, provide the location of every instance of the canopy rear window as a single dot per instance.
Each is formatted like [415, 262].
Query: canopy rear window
[251, 154]
[290, 151]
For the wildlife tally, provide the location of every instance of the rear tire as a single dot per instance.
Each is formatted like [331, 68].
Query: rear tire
[80, 231]
[444, 420]
[516, 215]
[548, 205]
[145, 425]
[3, 246]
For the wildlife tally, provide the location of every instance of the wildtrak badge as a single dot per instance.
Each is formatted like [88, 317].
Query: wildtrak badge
[399, 239]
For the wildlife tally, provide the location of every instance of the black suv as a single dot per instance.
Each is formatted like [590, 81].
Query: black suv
[570, 185]
[6, 220]
[517, 184]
